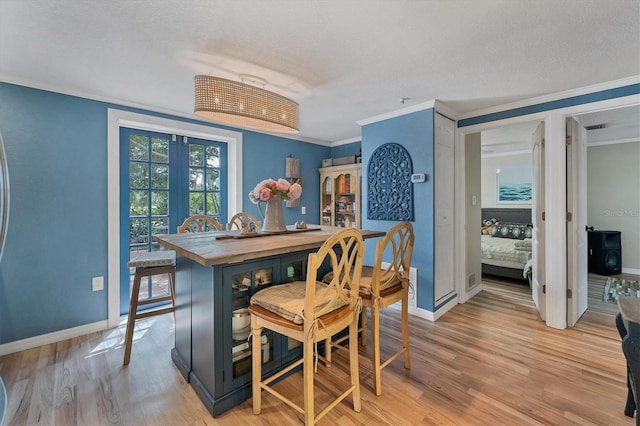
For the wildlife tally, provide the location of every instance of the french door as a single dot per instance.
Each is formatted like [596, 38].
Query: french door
[164, 179]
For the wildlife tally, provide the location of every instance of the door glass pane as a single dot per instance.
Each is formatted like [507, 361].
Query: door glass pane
[139, 148]
[160, 150]
[213, 204]
[196, 179]
[196, 155]
[159, 176]
[138, 175]
[160, 203]
[160, 225]
[213, 156]
[138, 231]
[196, 203]
[138, 203]
[213, 179]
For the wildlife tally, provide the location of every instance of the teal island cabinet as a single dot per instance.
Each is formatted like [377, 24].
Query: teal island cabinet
[216, 274]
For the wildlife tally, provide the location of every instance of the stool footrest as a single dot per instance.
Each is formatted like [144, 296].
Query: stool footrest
[154, 312]
[154, 300]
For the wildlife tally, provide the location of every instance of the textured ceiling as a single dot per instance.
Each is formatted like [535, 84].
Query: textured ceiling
[342, 61]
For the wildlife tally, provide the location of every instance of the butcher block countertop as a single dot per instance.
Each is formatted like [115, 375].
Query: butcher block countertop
[224, 247]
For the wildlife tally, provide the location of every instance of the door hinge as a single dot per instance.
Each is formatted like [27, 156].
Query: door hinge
[543, 142]
[569, 293]
[569, 139]
[544, 289]
[543, 215]
[569, 216]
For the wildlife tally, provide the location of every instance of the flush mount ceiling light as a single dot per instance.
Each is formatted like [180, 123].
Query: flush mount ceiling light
[244, 105]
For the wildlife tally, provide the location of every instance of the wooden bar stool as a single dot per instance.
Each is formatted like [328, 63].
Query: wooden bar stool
[310, 311]
[381, 287]
[148, 264]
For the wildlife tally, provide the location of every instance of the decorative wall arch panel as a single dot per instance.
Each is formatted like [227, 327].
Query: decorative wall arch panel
[390, 192]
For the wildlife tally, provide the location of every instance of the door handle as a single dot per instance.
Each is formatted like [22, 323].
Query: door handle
[588, 228]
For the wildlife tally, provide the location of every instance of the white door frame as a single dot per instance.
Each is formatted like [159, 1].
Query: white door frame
[555, 198]
[117, 118]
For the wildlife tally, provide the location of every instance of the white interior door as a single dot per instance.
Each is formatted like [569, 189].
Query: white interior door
[576, 227]
[537, 209]
[444, 176]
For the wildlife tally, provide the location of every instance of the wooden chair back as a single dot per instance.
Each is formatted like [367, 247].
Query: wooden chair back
[200, 223]
[398, 243]
[345, 251]
[242, 220]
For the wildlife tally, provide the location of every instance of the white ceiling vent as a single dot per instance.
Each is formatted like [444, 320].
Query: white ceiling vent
[596, 127]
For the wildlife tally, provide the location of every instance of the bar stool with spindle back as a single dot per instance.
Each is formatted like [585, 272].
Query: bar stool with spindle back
[148, 264]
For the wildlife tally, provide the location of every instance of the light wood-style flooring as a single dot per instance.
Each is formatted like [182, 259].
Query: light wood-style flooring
[490, 361]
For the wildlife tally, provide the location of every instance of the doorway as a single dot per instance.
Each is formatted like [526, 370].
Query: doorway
[117, 119]
[509, 188]
[582, 113]
[610, 200]
[165, 179]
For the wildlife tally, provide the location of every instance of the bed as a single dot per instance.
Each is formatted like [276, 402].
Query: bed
[506, 252]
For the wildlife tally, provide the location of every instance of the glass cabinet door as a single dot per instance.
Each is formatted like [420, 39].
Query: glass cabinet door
[244, 280]
[326, 201]
[345, 200]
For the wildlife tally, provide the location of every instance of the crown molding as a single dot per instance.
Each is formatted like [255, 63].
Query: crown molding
[397, 113]
[554, 97]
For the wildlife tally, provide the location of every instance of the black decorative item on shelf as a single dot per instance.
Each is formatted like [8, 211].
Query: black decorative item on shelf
[605, 252]
[390, 195]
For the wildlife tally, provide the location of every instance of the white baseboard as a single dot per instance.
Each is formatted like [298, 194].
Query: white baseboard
[631, 271]
[56, 336]
[423, 313]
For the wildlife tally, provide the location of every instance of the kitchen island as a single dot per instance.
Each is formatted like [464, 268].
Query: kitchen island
[216, 274]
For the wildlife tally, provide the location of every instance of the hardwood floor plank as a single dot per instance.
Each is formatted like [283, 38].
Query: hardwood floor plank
[490, 361]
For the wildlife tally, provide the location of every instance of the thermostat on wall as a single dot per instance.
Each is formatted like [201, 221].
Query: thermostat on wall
[418, 177]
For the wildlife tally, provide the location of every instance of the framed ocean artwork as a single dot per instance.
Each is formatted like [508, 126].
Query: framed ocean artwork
[514, 184]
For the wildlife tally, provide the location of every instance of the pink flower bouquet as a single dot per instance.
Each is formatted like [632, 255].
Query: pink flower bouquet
[266, 189]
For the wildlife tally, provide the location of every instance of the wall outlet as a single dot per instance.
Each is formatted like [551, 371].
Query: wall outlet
[97, 283]
[304, 210]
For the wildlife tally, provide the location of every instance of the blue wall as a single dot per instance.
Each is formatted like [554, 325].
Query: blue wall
[56, 147]
[415, 133]
[346, 150]
[264, 157]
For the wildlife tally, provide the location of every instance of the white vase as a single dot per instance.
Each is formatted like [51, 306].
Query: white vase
[273, 215]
